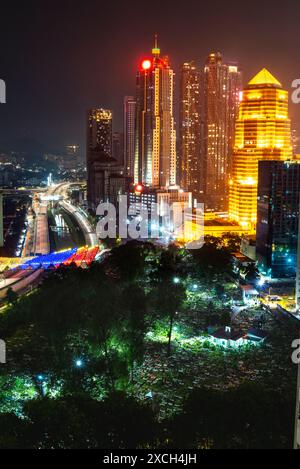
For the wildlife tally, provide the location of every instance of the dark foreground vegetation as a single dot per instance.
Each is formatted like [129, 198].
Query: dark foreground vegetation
[118, 356]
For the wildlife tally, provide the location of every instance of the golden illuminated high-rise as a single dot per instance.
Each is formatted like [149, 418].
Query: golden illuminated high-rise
[263, 132]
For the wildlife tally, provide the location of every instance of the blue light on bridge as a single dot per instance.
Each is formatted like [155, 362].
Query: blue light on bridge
[54, 259]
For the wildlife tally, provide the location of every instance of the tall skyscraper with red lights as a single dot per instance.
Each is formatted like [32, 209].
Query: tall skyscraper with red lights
[155, 146]
[222, 87]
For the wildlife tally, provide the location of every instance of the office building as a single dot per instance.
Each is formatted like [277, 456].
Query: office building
[155, 146]
[278, 218]
[190, 130]
[129, 134]
[98, 154]
[221, 92]
[263, 132]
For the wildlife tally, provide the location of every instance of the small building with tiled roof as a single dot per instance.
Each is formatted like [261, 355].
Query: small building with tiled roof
[229, 337]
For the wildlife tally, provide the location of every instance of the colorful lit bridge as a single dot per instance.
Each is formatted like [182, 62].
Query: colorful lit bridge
[82, 257]
[22, 274]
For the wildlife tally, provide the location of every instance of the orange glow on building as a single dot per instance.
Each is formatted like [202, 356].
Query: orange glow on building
[263, 132]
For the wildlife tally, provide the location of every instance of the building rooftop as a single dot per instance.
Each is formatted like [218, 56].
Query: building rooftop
[228, 333]
[264, 77]
[239, 256]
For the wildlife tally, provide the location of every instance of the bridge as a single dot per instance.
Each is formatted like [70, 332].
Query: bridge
[24, 272]
[21, 191]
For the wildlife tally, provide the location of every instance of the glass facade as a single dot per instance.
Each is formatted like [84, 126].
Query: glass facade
[190, 129]
[222, 87]
[278, 217]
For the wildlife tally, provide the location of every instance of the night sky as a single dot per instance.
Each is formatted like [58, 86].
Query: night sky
[60, 58]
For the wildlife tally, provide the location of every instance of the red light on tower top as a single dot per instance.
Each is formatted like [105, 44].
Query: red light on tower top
[146, 64]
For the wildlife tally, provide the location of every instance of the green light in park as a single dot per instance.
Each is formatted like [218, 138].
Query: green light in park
[176, 280]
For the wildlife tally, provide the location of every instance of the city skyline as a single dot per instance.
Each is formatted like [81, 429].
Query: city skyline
[60, 120]
[149, 228]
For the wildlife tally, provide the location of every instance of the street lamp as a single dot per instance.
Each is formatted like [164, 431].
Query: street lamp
[176, 280]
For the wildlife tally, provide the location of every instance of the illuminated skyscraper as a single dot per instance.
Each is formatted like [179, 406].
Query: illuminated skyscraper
[222, 86]
[190, 129]
[155, 148]
[99, 132]
[129, 134]
[99, 151]
[263, 132]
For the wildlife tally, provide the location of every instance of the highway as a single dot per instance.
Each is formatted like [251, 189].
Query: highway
[20, 282]
[41, 243]
[61, 192]
[89, 234]
[37, 238]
